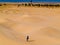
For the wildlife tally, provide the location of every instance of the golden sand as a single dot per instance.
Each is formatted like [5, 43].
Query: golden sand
[42, 24]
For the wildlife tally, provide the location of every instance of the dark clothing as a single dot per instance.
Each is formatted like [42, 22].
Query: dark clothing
[27, 38]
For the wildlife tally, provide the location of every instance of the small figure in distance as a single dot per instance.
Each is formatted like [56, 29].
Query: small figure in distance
[27, 38]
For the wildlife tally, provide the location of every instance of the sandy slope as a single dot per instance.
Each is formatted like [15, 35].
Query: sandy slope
[41, 24]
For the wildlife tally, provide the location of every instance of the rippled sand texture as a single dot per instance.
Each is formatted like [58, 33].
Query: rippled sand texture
[42, 24]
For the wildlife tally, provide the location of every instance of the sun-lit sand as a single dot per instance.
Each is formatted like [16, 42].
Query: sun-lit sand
[42, 24]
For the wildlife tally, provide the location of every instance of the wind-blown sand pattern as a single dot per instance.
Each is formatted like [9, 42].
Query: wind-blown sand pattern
[42, 24]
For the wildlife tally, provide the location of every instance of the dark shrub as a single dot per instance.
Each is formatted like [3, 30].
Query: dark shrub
[0, 4]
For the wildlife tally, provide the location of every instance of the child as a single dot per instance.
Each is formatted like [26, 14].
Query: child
[27, 38]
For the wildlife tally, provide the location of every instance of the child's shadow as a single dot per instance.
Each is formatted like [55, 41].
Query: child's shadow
[31, 40]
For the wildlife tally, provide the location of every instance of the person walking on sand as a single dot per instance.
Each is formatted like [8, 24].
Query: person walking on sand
[27, 38]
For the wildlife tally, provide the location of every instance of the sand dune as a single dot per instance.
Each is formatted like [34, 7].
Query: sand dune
[46, 36]
[41, 24]
[9, 33]
[50, 31]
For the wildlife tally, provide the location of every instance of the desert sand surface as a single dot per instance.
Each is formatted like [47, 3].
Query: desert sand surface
[42, 24]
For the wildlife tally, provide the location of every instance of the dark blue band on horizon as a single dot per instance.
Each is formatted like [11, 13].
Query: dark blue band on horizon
[29, 0]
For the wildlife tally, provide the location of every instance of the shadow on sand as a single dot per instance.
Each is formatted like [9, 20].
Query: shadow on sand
[31, 41]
